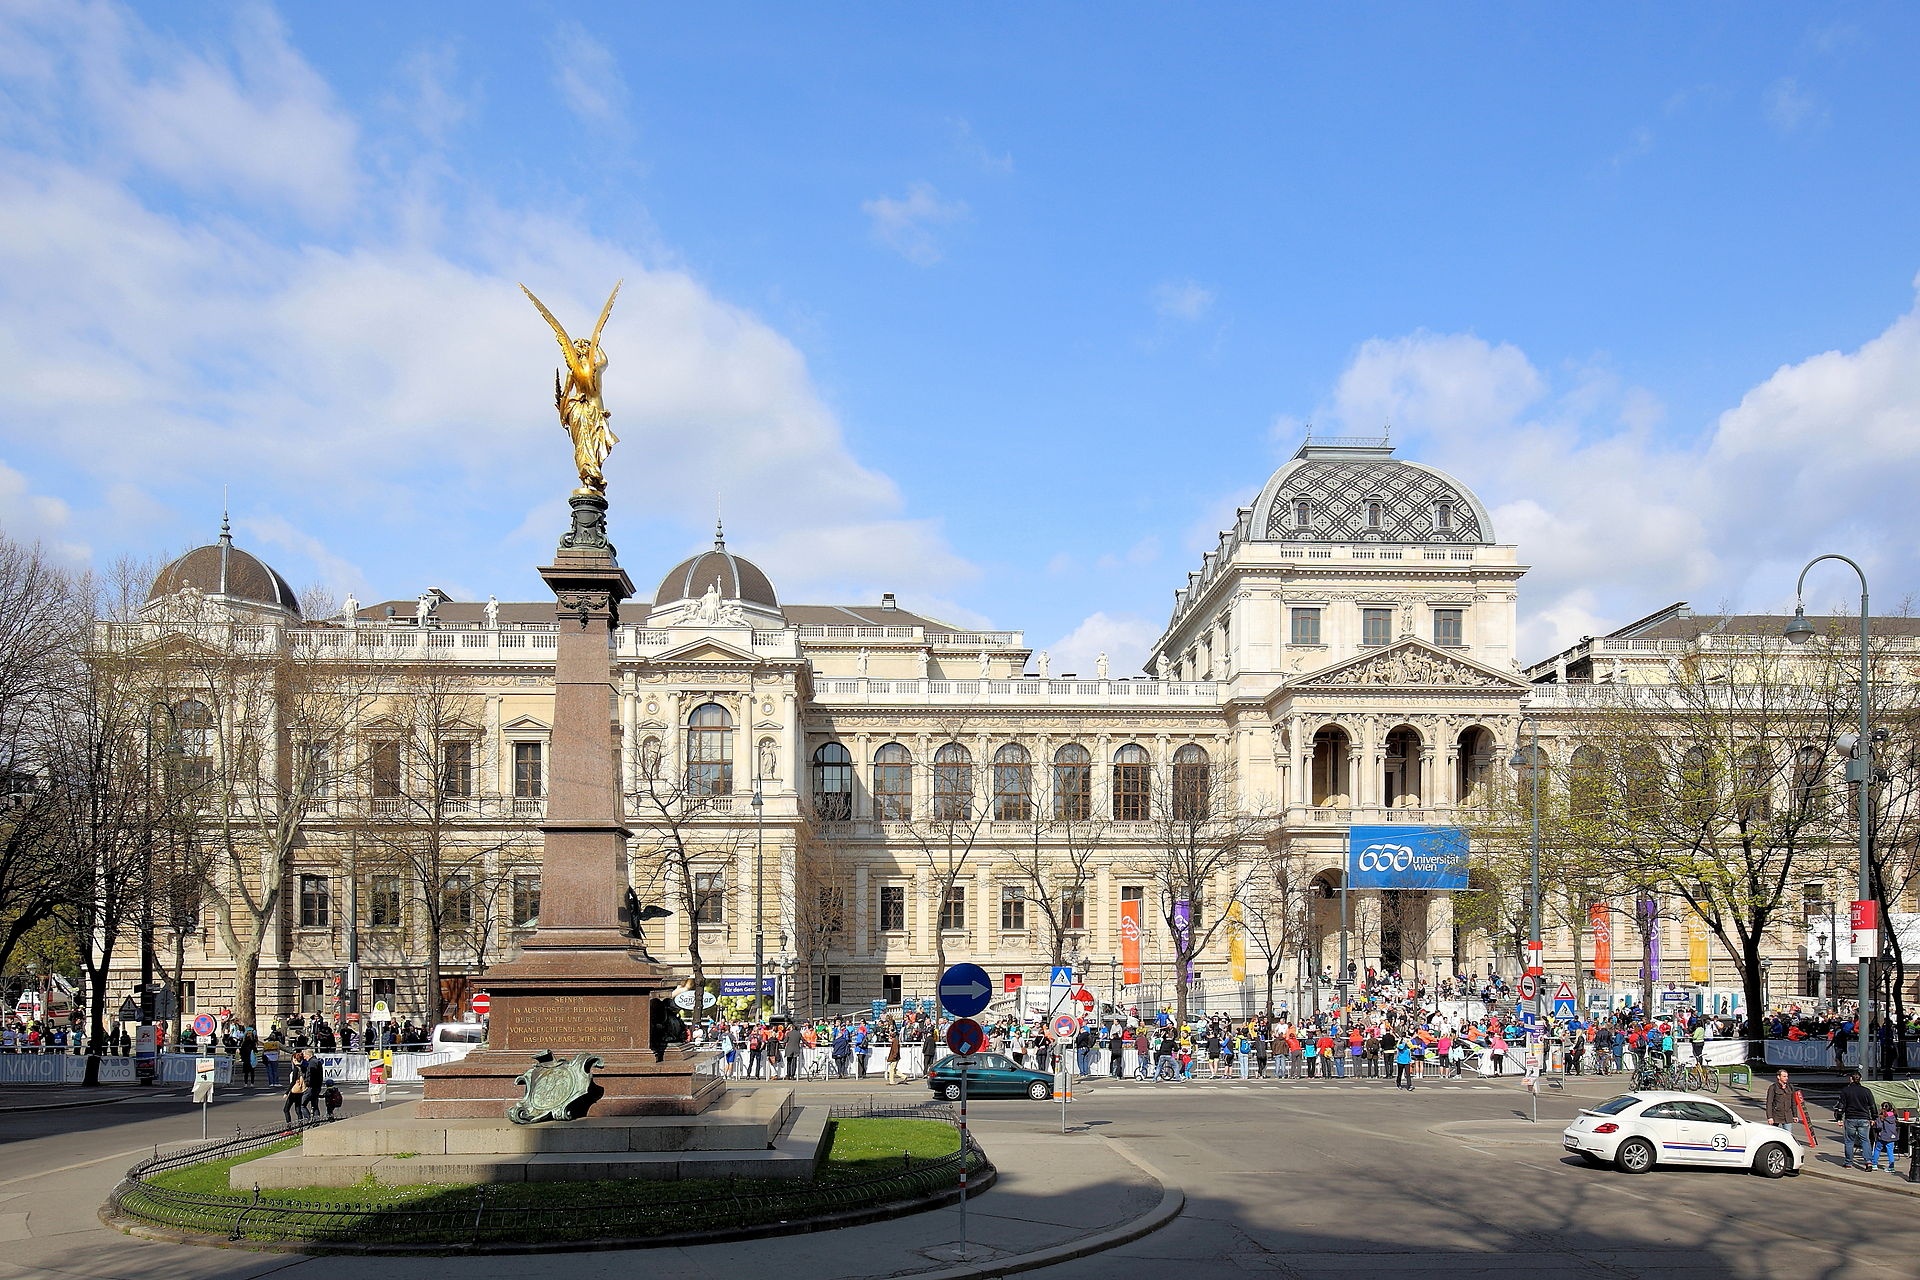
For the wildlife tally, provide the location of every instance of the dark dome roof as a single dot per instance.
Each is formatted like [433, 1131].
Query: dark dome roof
[223, 569]
[737, 578]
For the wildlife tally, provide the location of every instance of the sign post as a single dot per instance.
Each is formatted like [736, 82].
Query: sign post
[964, 991]
[1065, 1027]
[203, 1088]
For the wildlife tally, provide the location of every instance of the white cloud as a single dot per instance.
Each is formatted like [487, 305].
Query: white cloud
[1792, 109]
[906, 224]
[336, 573]
[1124, 638]
[587, 76]
[26, 516]
[1617, 521]
[388, 378]
[1185, 300]
[970, 145]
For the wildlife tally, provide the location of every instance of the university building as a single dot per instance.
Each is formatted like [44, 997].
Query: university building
[862, 790]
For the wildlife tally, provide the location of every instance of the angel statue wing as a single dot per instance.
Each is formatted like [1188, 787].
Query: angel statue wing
[604, 313]
[559, 331]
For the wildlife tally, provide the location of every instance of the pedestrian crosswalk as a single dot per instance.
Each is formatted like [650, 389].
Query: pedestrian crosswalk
[1235, 1085]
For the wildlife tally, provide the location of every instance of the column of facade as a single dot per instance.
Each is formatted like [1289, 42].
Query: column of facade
[862, 935]
[986, 922]
[863, 775]
[922, 776]
[1102, 780]
[925, 913]
[1302, 752]
[1102, 922]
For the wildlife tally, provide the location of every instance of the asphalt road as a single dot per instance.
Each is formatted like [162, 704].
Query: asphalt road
[1311, 1179]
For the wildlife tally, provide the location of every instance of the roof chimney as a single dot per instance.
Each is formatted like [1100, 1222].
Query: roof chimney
[887, 601]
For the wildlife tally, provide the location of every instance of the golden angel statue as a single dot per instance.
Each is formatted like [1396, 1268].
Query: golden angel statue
[582, 412]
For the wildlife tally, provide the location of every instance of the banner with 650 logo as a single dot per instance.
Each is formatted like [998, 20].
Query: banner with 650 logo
[1406, 858]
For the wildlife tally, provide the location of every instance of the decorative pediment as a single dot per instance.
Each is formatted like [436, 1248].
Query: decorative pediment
[1409, 664]
[706, 649]
[523, 723]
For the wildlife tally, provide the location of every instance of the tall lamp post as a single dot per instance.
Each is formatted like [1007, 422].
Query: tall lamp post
[1860, 774]
[1530, 766]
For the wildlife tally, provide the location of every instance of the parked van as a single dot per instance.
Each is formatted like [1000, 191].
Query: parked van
[457, 1038]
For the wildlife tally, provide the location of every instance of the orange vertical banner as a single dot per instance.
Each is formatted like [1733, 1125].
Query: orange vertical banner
[1130, 942]
[1600, 920]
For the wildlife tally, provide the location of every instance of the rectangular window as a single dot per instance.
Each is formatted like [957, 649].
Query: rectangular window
[1013, 906]
[1306, 626]
[313, 995]
[1449, 627]
[1133, 893]
[383, 761]
[385, 991]
[529, 778]
[953, 912]
[383, 901]
[456, 903]
[709, 897]
[317, 762]
[891, 987]
[830, 988]
[315, 910]
[526, 901]
[1376, 626]
[1073, 910]
[456, 770]
[893, 908]
[189, 996]
[832, 905]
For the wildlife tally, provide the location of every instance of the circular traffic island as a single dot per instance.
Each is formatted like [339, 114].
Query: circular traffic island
[874, 1167]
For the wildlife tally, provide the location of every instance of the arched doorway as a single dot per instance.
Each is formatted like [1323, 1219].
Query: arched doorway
[1474, 768]
[1402, 780]
[1332, 770]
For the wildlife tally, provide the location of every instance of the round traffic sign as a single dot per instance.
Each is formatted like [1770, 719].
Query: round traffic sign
[204, 1025]
[965, 990]
[482, 1002]
[1065, 1027]
[966, 1036]
[1528, 986]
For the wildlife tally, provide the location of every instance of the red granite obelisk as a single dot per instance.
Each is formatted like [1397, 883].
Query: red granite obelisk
[581, 982]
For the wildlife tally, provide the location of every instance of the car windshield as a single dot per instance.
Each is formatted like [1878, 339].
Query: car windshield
[1614, 1106]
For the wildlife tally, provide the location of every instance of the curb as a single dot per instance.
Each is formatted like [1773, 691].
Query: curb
[1899, 1187]
[1172, 1200]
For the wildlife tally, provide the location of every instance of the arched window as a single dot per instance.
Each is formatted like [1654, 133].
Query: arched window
[1376, 514]
[189, 745]
[1756, 785]
[1697, 805]
[1072, 783]
[1131, 775]
[893, 783]
[710, 751]
[1587, 785]
[1190, 778]
[1012, 784]
[833, 783]
[1809, 788]
[1443, 517]
[952, 783]
[1303, 514]
[1401, 780]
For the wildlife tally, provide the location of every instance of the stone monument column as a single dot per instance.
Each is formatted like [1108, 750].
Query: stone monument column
[583, 981]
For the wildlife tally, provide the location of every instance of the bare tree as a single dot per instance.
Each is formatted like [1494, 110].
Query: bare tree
[425, 813]
[944, 833]
[823, 888]
[1202, 832]
[669, 809]
[1275, 905]
[1059, 838]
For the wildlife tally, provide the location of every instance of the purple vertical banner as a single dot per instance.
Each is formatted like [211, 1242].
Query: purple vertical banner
[1650, 908]
[1183, 932]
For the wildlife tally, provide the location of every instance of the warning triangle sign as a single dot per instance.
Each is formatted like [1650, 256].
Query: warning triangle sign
[1565, 992]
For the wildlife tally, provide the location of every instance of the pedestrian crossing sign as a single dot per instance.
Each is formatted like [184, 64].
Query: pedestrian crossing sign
[1062, 975]
[1563, 1000]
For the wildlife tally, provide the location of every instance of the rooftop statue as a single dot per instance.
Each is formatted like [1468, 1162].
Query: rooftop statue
[577, 398]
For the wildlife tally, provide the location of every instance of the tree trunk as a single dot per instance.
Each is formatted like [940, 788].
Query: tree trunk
[246, 983]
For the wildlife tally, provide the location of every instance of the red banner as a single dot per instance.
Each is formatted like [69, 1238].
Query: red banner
[1600, 920]
[1130, 942]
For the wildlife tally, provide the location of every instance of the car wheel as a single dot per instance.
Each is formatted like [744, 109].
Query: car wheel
[951, 1092]
[1634, 1156]
[1773, 1161]
[1039, 1091]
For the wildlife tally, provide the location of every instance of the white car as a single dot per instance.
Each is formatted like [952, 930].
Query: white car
[1636, 1131]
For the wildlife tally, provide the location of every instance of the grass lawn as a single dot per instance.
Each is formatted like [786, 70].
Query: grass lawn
[867, 1161]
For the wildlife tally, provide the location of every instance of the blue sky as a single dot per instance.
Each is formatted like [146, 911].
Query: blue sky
[1001, 308]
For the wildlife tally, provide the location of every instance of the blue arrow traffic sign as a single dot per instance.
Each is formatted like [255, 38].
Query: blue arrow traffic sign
[966, 1036]
[964, 990]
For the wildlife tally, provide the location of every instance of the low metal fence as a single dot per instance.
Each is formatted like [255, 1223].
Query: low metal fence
[504, 1213]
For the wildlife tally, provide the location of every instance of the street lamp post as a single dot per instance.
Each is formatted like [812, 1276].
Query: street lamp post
[1527, 761]
[1860, 774]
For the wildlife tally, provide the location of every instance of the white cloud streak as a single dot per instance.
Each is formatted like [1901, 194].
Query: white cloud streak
[908, 224]
[1183, 300]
